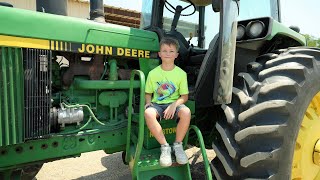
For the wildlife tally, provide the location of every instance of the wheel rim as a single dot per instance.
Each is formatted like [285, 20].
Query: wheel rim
[306, 153]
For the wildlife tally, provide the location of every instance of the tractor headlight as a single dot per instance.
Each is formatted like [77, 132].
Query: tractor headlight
[241, 31]
[255, 28]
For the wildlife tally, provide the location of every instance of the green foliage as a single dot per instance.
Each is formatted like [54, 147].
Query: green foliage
[312, 41]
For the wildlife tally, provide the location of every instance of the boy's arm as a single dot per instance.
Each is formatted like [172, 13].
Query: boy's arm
[148, 97]
[182, 99]
[171, 109]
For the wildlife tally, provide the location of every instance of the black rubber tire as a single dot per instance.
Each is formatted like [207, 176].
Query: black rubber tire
[258, 135]
[30, 172]
[123, 157]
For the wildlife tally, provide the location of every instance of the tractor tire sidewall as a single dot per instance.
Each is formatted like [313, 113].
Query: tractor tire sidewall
[278, 164]
[310, 89]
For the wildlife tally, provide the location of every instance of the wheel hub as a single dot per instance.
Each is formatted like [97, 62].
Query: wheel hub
[316, 153]
[306, 160]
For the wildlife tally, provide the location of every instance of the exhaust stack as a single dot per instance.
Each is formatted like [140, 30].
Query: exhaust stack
[97, 11]
[59, 7]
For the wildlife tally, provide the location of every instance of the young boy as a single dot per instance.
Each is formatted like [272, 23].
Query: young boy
[168, 85]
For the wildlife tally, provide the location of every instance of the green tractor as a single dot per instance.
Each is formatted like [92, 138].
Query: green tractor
[70, 86]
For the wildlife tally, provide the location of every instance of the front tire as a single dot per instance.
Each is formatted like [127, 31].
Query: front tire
[269, 114]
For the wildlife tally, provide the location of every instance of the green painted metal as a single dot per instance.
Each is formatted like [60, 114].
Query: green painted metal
[113, 73]
[58, 146]
[150, 167]
[280, 29]
[202, 148]
[5, 97]
[112, 98]
[12, 98]
[146, 65]
[54, 27]
[11, 101]
[134, 161]
[103, 84]
[19, 93]
[1, 97]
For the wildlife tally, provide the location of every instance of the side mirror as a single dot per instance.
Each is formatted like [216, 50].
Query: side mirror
[216, 5]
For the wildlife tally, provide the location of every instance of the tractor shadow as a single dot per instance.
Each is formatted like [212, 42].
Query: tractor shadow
[116, 170]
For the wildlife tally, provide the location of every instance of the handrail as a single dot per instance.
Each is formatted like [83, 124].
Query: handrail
[203, 149]
[141, 119]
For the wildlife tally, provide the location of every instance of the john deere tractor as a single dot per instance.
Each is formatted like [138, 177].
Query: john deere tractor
[70, 86]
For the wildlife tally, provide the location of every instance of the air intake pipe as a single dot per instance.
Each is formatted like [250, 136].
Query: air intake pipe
[59, 7]
[97, 11]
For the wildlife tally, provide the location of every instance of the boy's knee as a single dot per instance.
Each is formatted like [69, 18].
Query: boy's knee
[149, 113]
[184, 112]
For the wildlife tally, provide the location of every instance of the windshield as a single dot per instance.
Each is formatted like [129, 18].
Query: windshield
[262, 8]
[189, 25]
[146, 14]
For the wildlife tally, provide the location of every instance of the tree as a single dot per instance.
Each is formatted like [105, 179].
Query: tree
[312, 41]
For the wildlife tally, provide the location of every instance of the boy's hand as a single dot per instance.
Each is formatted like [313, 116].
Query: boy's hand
[147, 105]
[169, 112]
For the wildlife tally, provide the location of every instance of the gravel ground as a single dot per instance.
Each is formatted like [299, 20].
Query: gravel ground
[98, 165]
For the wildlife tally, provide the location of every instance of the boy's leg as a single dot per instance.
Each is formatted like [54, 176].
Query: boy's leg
[185, 116]
[156, 130]
[154, 126]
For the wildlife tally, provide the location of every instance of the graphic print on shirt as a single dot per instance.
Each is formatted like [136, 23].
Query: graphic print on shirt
[165, 89]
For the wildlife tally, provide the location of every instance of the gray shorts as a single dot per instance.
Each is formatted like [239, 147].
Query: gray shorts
[160, 108]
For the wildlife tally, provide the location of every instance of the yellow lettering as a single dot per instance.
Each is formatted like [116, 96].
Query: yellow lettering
[134, 53]
[127, 52]
[82, 48]
[120, 52]
[90, 48]
[151, 134]
[170, 130]
[147, 54]
[140, 53]
[99, 49]
[57, 45]
[108, 50]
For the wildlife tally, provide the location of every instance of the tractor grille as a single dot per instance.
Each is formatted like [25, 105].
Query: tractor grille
[11, 96]
[37, 89]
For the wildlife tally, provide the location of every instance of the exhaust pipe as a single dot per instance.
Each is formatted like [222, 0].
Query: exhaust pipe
[59, 7]
[97, 11]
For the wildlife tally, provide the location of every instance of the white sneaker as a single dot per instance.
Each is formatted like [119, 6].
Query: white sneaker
[181, 156]
[165, 157]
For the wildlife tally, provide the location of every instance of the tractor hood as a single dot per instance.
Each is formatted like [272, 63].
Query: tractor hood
[37, 26]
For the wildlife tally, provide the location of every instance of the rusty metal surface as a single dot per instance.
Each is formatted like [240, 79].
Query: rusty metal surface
[93, 68]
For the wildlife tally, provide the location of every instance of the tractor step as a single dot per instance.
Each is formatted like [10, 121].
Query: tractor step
[149, 159]
[149, 166]
[142, 149]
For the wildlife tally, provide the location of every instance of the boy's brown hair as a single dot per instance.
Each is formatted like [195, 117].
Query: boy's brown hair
[170, 41]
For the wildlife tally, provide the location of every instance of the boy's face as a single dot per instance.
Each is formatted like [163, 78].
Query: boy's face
[168, 53]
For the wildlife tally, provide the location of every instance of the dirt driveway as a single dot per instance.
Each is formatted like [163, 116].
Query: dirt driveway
[100, 166]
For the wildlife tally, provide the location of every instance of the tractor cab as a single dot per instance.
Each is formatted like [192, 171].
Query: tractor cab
[185, 22]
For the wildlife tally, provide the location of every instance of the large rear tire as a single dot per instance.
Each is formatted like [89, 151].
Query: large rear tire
[273, 122]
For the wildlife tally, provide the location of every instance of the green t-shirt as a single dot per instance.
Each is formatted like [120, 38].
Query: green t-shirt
[166, 86]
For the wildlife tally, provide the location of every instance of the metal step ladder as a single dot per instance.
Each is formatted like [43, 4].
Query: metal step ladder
[143, 151]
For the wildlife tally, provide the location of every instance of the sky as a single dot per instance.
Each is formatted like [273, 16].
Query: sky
[302, 13]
